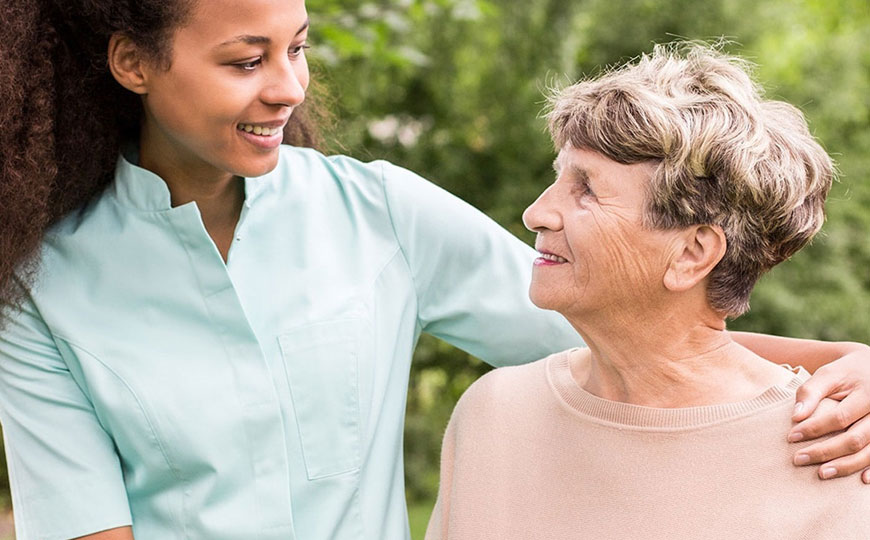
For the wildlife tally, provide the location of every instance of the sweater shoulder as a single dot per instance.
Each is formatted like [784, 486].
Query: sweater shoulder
[508, 392]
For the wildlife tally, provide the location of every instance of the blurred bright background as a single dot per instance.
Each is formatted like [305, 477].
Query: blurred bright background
[453, 89]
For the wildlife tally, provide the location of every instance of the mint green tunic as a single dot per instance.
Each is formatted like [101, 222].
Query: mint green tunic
[147, 382]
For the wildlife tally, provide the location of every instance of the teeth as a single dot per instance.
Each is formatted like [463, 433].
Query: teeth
[258, 130]
[551, 257]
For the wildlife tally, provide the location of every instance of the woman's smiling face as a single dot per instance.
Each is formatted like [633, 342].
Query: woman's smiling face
[237, 68]
[595, 251]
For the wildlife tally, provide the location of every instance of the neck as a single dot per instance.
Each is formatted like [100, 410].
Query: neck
[677, 358]
[219, 204]
[218, 195]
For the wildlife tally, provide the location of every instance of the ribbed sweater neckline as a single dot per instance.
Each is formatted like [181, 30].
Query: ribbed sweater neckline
[641, 417]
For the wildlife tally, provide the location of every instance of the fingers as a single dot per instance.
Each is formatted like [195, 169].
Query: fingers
[844, 454]
[847, 452]
[822, 384]
[832, 416]
[845, 466]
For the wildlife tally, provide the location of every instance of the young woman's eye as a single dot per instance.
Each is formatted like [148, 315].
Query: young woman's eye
[297, 51]
[249, 65]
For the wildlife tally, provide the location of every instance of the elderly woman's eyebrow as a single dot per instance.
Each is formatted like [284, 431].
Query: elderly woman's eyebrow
[579, 173]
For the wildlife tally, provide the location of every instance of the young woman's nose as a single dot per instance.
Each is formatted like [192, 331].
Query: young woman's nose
[544, 212]
[287, 83]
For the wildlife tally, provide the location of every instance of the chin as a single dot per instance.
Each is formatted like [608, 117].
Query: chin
[251, 168]
[542, 298]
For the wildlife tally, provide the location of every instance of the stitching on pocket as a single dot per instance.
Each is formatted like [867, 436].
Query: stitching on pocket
[321, 362]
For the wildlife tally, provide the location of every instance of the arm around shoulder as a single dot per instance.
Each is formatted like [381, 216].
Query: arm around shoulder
[471, 276]
[808, 353]
[120, 533]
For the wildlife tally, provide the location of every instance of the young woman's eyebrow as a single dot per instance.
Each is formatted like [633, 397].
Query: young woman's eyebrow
[259, 40]
[248, 40]
[304, 26]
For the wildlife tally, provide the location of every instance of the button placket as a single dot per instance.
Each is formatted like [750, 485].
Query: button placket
[264, 426]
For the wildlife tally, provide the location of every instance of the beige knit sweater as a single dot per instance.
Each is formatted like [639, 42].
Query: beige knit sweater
[529, 454]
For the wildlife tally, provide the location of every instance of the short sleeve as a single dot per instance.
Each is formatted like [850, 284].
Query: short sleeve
[471, 276]
[64, 471]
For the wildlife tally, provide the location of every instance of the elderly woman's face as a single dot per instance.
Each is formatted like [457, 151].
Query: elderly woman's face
[595, 252]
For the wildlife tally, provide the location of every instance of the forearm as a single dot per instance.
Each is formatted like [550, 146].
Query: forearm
[120, 533]
[808, 353]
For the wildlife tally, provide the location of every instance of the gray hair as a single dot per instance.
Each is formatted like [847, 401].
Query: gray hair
[725, 155]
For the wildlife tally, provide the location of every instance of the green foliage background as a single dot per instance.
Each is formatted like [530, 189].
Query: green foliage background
[453, 90]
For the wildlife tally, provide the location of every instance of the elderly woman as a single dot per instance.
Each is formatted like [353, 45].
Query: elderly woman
[677, 187]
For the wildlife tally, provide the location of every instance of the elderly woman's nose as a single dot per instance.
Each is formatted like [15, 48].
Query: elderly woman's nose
[543, 213]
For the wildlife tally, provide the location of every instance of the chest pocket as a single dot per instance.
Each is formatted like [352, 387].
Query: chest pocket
[322, 363]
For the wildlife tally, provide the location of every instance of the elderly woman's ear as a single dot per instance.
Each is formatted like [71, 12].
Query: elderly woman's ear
[697, 250]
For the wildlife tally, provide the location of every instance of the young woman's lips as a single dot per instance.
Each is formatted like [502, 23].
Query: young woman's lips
[269, 137]
[549, 259]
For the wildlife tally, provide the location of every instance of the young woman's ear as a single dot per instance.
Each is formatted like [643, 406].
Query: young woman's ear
[699, 251]
[127, 64]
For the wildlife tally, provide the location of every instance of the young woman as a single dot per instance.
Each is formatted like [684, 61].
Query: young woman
[208, 333]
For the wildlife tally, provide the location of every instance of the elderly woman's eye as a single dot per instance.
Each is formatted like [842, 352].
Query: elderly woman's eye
[582, 189]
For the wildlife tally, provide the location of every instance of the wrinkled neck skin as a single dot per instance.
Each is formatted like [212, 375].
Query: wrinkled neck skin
[677, 354]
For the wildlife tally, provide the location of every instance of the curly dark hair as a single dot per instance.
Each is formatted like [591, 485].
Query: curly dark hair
[63, 117]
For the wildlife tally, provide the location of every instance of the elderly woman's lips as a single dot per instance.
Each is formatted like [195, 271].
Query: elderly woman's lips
[549, 259]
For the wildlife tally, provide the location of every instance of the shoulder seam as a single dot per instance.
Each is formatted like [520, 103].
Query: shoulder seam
[399, 242]
[175, 471]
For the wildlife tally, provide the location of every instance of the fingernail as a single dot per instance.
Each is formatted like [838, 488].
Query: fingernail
[866, 477]
[795, 437]
[801, 459]
[828, 472]
[798, 407]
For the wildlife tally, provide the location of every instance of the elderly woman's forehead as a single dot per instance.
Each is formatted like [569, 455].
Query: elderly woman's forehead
[590, 160]
[580, 160]
[569, 155]
[561, 162]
